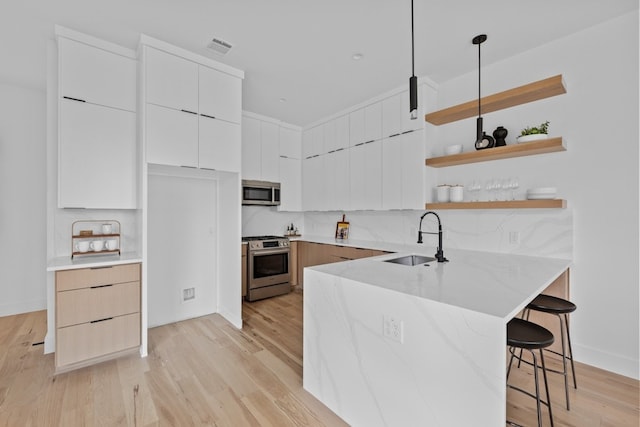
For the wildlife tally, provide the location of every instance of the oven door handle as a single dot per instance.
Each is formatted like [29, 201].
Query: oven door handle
[270, 251]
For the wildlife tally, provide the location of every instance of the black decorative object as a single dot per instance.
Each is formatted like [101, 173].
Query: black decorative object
[413, 80]
[500, 134]
[482, 139]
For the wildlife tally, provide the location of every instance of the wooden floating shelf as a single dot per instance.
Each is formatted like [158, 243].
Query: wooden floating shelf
[509, 204]
[551, 145]
[541, 89]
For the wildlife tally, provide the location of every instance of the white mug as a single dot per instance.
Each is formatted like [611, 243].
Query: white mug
[82, 246]
[112, 244]
[107, 228]
[97, 245]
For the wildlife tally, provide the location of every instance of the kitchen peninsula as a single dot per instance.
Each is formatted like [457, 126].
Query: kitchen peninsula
[391, 344]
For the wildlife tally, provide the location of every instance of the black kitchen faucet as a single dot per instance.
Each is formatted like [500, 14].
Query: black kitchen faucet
[439, 253]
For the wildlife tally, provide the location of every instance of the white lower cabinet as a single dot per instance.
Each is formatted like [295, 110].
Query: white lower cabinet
[171, 136]
[219, 145]
[97, 157]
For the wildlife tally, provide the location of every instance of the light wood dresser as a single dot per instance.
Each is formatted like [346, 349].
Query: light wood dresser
[97, 314]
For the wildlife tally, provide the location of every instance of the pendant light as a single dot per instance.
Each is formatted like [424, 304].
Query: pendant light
[482, 139]
[413, 80]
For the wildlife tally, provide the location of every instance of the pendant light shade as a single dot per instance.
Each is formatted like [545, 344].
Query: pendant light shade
[413, 80]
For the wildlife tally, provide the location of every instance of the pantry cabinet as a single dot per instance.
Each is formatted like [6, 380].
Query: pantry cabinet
[97, 314]
[97, 155]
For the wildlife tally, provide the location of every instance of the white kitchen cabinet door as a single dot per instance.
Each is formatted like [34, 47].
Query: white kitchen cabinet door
[219, 145]
[330, 136]
[373, 175]
[171, 137]
[373, 122]
[413, 168]
[251, 149]
[171, 81]
[342, 131]
[337, 180]
[313, 142]
[357, 180]
[392, 157]
[270, 161]
[220, 95]
[97, 157]
[356, 127]
[391, 112]
[96, 75]
[290, 185]
[314, 183]
[290, 143]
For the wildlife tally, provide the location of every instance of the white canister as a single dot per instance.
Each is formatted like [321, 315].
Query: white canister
[456, 193]
[442, 193]
[107, 229]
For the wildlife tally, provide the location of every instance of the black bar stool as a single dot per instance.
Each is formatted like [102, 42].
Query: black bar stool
[561, 308]
[522, 334]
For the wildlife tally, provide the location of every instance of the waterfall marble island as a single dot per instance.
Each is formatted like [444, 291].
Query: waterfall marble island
[387, 344]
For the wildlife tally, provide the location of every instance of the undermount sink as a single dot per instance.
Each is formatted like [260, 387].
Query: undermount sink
[411, 260]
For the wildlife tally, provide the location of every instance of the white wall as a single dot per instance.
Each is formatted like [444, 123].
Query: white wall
[23, 194]
[598, 175]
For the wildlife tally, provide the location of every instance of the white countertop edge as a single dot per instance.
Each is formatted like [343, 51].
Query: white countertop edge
[90, 261]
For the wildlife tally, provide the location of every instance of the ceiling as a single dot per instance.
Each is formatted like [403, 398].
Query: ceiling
[300, 51]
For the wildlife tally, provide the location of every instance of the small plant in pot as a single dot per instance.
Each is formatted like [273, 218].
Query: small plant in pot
[534, 133]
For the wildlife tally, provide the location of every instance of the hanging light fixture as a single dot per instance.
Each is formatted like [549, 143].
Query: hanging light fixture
[482, 139]
[413, 80]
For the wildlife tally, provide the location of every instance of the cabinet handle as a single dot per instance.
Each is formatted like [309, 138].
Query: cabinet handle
[100, 286]
[101, 268]
[407, 131]
[369, 142]
[190, 112]
[74, 99]
[359, 144]
[189, 167]
[395, 134]
[101, 320]
[205, 115]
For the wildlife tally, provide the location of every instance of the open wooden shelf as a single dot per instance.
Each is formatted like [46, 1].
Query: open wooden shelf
[532, 148]
[541, 89]
[509, 204]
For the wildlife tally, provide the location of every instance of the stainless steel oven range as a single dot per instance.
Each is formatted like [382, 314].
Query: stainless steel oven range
[267, 267]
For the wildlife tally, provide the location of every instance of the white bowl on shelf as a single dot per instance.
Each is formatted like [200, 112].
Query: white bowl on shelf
[453, 149]
[541, 193]
[532, 137]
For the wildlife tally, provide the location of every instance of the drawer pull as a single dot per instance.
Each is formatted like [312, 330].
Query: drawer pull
[100, 286]
[101, 320]
[100, 268]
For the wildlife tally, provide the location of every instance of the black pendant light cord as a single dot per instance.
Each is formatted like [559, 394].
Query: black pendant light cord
[413, 72]
[479, 86]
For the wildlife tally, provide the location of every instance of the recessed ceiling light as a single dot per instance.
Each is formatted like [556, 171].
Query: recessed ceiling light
[283, 99]
[357, 56]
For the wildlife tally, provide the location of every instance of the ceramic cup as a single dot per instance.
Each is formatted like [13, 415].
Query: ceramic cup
[82, 246]
[112, 244]
[442, 193]
[97, 245]
[456, 193]
[107, 228]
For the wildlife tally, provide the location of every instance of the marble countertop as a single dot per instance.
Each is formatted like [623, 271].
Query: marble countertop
[66, 263]
[494, 284]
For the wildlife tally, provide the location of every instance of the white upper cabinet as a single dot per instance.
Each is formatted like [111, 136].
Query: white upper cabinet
[192, 110]
[337, 180]
[342, 132]
[391, 116]
[290, 143]
[269, 133]
[251, 149]
[220, 95]
[313, 142]
[365, 124]
[96, 75]
[356, 127]
[290, 184]
[365, 176]
[171, 81]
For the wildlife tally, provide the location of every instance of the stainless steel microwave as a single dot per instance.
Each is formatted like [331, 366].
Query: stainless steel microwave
[260, 193]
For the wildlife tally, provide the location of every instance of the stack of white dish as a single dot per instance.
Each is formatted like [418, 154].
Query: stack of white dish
[541, 193]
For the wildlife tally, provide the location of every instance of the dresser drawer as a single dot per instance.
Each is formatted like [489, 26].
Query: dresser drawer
[95, 303]
[82, 342]
[87, 277]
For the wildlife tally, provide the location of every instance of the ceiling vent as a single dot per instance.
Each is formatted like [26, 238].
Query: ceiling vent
[219, 46]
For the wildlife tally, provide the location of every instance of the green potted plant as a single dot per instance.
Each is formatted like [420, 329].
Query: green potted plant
[534, 133]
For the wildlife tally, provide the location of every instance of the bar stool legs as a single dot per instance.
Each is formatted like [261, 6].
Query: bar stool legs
[539, 402]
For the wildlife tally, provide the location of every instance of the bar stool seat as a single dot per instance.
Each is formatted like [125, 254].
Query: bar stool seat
[522, 334]
[561, 308]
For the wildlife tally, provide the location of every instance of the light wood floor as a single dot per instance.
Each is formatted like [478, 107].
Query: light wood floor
[206, 372]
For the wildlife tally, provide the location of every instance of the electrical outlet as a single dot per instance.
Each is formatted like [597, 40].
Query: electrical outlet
[188, 294]
[393, 328]
[514, 237]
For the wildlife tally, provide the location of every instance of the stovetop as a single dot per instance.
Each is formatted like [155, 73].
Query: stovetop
[266, 242]
[258, 238]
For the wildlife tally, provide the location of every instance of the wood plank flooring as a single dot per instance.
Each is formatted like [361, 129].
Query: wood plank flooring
[205, 372]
